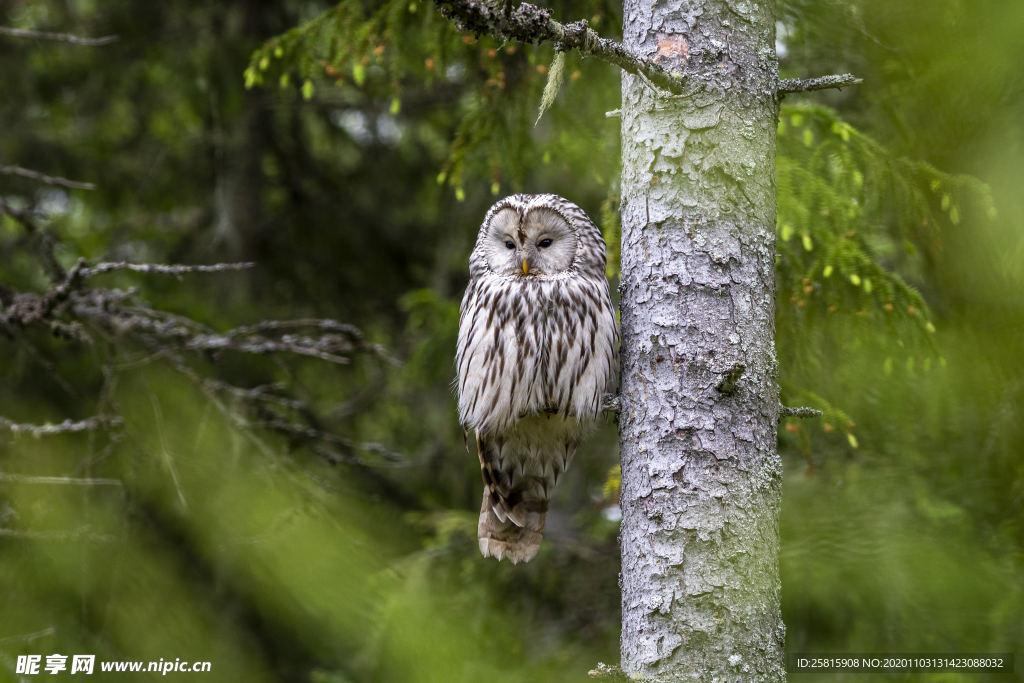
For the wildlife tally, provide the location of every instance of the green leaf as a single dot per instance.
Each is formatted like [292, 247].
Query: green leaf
[396, 105]
[827, 272]
[808, 245]
[359, 74]
[307, 90]
[855, 279]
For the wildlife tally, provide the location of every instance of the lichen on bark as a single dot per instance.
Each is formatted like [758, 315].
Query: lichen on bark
[701, 476]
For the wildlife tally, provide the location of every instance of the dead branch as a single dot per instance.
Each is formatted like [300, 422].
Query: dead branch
[162, 269]
[42, 177]
[786, 411]
[791, 85]
[65, 427]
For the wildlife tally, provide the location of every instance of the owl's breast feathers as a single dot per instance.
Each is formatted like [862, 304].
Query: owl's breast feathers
[530, 345]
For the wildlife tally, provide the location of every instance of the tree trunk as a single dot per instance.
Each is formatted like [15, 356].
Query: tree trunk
[701, 477]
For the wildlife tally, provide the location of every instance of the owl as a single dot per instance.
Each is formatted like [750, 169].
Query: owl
[537, 351]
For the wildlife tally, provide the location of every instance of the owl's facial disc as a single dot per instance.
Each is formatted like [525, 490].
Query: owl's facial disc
[542, 244]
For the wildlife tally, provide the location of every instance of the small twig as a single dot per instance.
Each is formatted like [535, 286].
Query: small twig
[29, 479]
[42, 177]
[63, 37]
[176, 270]
[65, 427]
[791, 85]
[786, 411]
[611, 403]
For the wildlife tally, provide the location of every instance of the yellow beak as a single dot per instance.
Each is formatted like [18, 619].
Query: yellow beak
[526, 268]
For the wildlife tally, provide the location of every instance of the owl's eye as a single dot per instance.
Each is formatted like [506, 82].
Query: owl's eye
[544, 243]
[509, 245]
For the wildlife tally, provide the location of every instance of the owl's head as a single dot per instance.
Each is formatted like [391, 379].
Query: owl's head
[537, 236]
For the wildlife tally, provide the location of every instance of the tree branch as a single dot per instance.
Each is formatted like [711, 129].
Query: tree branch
[531, 24]
[790, 85]
[65, 427]
[175, 270]
[786, 411]
[42, 177]
[63, 37]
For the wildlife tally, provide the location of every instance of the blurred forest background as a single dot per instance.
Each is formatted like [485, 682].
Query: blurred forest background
[299, 518]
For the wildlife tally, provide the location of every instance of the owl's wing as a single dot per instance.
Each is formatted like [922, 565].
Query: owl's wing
[582, 359]
[498, 355]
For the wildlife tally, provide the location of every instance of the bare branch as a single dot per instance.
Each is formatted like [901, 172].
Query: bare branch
[65, 427]
[531, 24]
[175, 270]
[786, 411]
[610, 403]
[63, 37]
[791, 85]
[42, 177]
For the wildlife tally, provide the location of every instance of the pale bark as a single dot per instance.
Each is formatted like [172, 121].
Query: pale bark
[701, 476]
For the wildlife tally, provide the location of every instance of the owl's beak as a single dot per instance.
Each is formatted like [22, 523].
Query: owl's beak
[526, 267]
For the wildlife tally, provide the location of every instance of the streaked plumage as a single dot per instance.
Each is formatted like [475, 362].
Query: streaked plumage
[538, 348]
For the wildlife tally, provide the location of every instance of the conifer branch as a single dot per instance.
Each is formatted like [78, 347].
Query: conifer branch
[531, 24]
[790, 85]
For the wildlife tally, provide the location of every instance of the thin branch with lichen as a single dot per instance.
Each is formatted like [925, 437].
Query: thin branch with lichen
[42, 177]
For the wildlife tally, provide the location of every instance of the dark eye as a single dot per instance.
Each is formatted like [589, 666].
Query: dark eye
[544, 243]
[509, 245]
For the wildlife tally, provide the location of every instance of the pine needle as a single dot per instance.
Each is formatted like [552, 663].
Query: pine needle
[553, 85]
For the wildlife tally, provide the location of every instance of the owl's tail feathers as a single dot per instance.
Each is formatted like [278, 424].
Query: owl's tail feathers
[511, 534]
